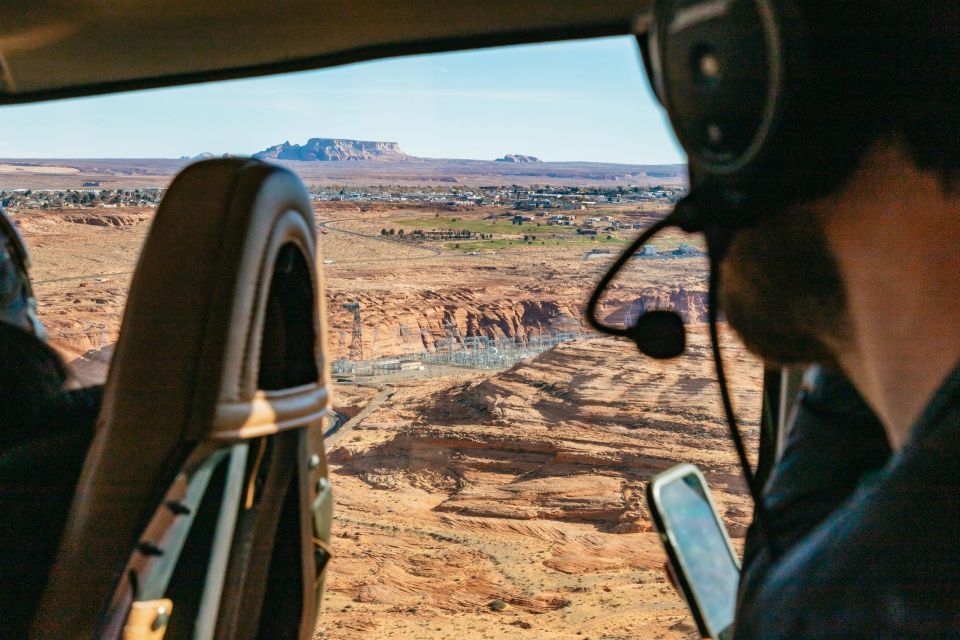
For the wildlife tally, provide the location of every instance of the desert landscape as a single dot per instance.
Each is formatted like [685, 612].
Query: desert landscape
[471, 501]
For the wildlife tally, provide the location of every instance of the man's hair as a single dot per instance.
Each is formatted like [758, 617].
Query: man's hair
[896, 69]
[888, 69]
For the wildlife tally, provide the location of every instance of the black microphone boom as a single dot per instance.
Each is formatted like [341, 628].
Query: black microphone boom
[658, 334]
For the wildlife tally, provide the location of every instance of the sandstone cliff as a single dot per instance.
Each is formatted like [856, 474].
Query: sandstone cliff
[399, 323]
[518, 158]
[414, 323]
[689, 305]
[333, 150]
[570, 436]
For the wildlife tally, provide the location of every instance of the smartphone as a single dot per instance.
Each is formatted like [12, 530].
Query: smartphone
[698, 547]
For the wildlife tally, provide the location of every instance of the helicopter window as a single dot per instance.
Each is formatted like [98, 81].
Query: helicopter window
[489, 452]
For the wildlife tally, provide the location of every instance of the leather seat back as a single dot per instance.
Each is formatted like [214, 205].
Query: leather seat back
[196, 345]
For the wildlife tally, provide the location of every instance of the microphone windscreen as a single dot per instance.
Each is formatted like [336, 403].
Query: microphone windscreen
[660, 334]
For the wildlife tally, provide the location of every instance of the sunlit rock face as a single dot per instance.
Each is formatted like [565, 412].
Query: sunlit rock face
[333, 150]
[518, 158]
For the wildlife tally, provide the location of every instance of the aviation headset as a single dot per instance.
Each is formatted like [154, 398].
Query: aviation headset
[746, 86]
[769, 99]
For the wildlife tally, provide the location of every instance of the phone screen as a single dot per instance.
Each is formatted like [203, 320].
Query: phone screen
[706, 559]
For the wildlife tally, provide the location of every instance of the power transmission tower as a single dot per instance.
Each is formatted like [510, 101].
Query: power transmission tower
[453, 334]
[355, 352]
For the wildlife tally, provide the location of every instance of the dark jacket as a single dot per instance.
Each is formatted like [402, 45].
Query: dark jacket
[45, 431]
[868, 543]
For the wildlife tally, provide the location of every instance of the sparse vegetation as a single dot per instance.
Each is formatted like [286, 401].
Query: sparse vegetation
[410, 562]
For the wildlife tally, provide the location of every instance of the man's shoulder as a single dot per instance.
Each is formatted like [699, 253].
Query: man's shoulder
[887, 562]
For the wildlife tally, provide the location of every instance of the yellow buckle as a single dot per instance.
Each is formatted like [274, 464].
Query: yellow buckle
[148, 620]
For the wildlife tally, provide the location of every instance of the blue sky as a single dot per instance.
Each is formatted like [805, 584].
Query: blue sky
[581, 100]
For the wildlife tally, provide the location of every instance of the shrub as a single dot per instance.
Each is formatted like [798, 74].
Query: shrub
[497, 605]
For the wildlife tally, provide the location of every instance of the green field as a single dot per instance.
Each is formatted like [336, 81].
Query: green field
[546, 235]
[663, 245]
[500, 226]
[583, 241]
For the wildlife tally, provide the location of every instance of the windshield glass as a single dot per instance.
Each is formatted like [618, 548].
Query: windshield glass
[489, 453]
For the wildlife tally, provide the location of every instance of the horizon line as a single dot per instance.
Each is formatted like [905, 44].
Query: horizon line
[340, 162]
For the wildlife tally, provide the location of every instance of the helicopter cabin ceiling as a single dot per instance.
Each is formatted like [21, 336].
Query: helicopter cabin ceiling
[53, 49]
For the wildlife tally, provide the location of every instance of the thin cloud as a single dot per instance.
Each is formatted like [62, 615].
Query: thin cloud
[303, 101]
[499, 95]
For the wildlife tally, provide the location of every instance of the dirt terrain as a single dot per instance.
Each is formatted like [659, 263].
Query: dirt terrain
[486, 505]
[84, 258]
[138, 173]
[481, 503]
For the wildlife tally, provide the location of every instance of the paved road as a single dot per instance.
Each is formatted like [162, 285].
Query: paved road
[337, 420]
[86, 277]
[386, 391]
[432, 253]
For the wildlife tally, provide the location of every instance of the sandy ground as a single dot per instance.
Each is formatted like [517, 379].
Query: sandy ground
[84, 259]
[138, 173]
[489, 504]
[36, 170]
[485, 503]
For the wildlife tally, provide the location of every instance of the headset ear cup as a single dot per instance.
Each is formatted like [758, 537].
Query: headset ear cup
[739, 80]
[643, 41]
[718, 69]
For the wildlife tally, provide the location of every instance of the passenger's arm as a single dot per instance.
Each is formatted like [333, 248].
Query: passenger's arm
[34, 405]
[45, 431]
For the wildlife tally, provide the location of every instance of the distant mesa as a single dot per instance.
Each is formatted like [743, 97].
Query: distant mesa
[333, 150]
[517, 158]
[663, 174]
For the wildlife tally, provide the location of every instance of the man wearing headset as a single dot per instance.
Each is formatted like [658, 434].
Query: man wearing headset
[824, 146]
